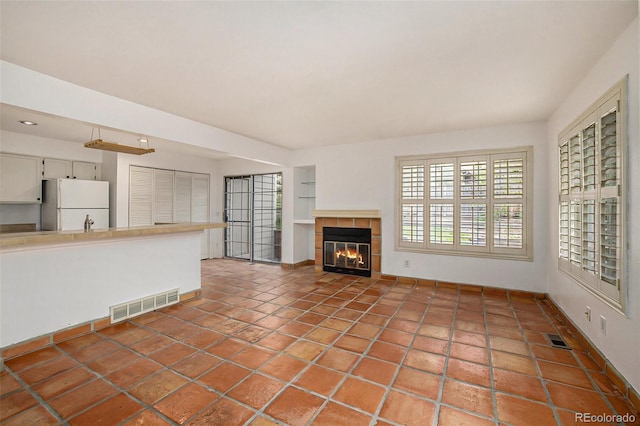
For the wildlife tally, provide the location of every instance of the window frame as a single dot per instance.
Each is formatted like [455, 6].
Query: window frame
[614, 295]
[489, 250]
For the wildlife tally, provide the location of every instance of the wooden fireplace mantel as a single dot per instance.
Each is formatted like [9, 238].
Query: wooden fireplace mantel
[357, 214]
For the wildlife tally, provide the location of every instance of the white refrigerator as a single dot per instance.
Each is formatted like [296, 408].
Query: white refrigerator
[67, 202]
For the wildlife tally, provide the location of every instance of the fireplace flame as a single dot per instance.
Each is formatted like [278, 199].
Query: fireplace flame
[351, 255]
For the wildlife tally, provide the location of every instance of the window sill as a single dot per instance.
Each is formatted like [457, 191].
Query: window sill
[485, 255]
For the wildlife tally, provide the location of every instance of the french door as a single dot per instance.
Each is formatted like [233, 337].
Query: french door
[253, 213]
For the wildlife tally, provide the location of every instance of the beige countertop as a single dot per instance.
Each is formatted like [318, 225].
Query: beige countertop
[55, 237]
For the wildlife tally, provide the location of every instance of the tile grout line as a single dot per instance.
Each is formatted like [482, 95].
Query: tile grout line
[361, 356]
[31, 392]
[494, 399]
[447, 358]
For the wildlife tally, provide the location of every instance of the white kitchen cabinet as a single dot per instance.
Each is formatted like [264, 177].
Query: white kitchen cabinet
[53, 168]
[20, 179]
[85, 170]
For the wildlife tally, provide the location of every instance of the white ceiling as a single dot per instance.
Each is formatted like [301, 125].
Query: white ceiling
[303, 74]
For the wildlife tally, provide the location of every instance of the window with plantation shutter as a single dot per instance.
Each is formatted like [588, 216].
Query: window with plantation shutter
[466, 203]
[412, 203]
[590, 196]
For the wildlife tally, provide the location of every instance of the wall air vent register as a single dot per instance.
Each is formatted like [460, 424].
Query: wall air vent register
[137, 307]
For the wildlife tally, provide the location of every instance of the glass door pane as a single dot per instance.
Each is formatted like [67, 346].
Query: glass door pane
[253, 212]
[238, 217]
[267, 217]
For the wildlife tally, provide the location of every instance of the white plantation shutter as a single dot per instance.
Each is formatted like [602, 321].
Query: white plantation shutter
[140, 196]
[200, 198]
[469, 204]
[575, 164]
[589, 158]
[591, 217]
[441, 223]
[441, 203]
[472, 202]
[589, 237]
[473, 225]
[183, 197]
[509, 194]
[564, 230]
[163, 181]
[575, 233]
[412, 202]
[508, 177]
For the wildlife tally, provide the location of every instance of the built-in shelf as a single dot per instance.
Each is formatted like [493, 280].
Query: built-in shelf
[304, 178]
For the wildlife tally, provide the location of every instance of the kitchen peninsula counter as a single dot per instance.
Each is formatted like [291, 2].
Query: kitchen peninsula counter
[58, 284]
[23, 239]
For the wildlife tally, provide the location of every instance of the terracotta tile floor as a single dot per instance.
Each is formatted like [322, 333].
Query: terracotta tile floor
[264, 345]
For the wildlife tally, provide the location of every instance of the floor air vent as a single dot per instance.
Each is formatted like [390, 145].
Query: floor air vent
[557, 342]
[146, 304]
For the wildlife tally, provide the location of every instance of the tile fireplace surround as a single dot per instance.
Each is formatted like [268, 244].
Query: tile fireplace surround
[363, 219]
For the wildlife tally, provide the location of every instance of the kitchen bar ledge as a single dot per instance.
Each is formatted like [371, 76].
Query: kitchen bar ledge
[56, 282]
[23, 239]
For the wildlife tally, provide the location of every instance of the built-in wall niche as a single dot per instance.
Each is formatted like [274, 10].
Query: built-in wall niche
[304, 202]
[305, 194]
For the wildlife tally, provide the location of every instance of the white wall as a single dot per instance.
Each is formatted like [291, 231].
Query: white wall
[621, 344]
[362, 176]
[29, 89]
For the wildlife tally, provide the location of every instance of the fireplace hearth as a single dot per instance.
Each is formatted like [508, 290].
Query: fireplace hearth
[347, 250]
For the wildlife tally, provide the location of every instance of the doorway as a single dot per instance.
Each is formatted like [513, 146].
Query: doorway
[253, 213]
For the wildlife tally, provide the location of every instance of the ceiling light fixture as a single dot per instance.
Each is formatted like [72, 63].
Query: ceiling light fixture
[114, 147]
[28, 123]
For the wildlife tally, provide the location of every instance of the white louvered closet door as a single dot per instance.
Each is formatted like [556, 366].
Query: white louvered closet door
[163, 196]
[183, 197]
[200, 207]
[140, 196]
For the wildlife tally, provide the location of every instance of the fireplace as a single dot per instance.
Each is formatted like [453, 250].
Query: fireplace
[362, 220]
[347, 250]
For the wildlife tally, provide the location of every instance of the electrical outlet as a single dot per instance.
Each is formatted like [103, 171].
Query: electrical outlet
[603, 325]
[587, 313]
[405, 263]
